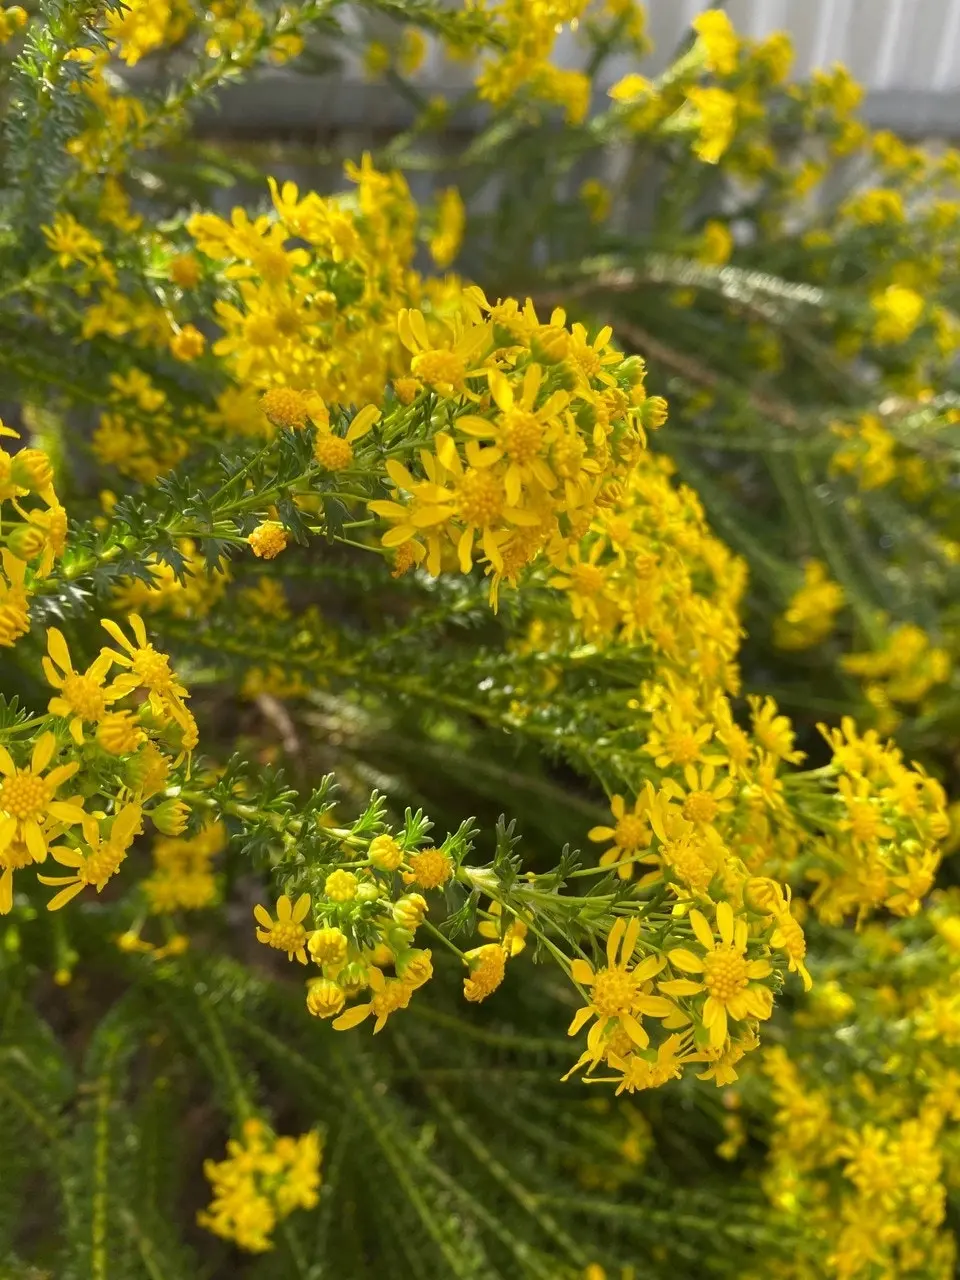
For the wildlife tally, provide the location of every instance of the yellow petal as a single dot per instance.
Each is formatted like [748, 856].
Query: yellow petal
[43, 750]
[685, 960]
[352, 1017]
[64, 896]
[680, 987]
[725, 921]
[702, 930]
[57, 648]
[581, 1017]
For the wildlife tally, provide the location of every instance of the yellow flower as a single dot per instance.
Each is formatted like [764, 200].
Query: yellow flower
[442, 366]
[429, 869]
[630, 835]
[729, 978]
[898, 312]
[718, 40]
[716, 244]
[810, 615]
[864, 817]
[187, 344]
[385, 853]
[773, 731]
[617, 993]
[286, 933]
[717, 121]
[28, 798]
[487, 966]
[285, 407]
[703, 800]
[522, 434]
[268, 539]
[325, 998]
[631, 88]
[513, 937]
[646, 1070]
[147, 669]
[674, 741]
[788, 937]
[597, 199]
[389, 995]
[81, 697]
[100, 862]
[341, 886]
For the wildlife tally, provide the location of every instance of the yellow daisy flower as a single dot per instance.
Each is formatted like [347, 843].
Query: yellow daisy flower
[617, 994]
[82, 697]
[286, 933]
[729, 978]
[28, 798]
[102, 860]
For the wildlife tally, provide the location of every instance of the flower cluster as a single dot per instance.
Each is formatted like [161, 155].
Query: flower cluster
[35, 531]
[121, 741]
[539, 420]
[263, 1179]
[182, 878]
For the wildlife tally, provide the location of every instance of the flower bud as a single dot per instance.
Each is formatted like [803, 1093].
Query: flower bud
[325, 998]
[385, 853]
[409, 910]
[118, 733]
[32, 469]
[414, 967]
[26, 541]
[328, 946]
[171, 816]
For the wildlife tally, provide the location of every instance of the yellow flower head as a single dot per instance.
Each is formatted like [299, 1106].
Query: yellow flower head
[729, 978]
[286, 933]
[718, 40]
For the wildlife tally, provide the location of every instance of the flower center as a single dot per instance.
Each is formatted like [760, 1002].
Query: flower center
[439, 367]
[152, 668]
[288, 937]
[724, 973]
[682, 746]
[630, 832]
[522, 435]
[700, 806]
[481, 498]
[394, 996]
[85, 696]
[273, 265]
[100, 866]
[586, 358]
[614, 992]
[25, 795]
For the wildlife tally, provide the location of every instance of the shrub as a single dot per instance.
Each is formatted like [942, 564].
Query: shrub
[302, 543]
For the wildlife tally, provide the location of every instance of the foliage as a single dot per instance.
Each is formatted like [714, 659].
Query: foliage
[302, 544]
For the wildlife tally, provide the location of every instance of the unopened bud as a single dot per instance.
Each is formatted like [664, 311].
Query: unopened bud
[171, 816]
[32, 469]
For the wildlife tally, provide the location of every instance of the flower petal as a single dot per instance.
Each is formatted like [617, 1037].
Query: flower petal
[685, 960]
